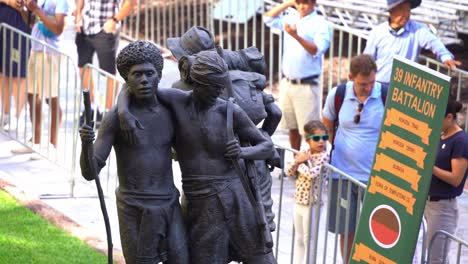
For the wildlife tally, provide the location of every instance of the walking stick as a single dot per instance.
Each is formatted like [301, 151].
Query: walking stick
[90, 161]
[249, 184]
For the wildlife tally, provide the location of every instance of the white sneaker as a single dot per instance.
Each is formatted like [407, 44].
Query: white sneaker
[36, 156]
[50, 154]
[25, 149]
[6, 119]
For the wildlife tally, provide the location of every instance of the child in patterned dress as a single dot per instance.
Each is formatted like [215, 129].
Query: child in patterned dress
[306, 168]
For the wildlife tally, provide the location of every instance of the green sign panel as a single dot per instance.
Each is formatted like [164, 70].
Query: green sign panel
[401, 174]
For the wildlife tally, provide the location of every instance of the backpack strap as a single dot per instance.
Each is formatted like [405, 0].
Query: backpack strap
[383, 92]
[339, 97]
[341, 91]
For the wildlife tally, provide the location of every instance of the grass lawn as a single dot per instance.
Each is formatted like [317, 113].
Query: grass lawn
[27, 238]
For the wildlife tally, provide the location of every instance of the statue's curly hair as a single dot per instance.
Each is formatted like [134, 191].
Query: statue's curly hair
[139, 52]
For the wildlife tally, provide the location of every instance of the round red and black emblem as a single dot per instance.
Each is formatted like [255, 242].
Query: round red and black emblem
[385, 226]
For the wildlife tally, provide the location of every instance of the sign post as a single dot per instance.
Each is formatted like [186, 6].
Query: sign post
[401, 174]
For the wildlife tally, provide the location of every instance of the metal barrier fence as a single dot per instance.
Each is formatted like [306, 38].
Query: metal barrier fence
[447, 239]
[100, 81]
[324, 246]
[53, 79]
[56, 77]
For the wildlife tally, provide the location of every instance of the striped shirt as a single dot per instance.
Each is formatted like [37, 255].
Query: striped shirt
[97, 12]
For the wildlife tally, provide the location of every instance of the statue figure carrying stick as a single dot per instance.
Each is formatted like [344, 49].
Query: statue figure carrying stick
[150, 220]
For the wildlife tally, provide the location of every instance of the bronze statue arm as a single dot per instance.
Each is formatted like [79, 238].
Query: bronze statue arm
[102, 146]
[170, 97]
[273, 114]
[261, 148]
[128, 122]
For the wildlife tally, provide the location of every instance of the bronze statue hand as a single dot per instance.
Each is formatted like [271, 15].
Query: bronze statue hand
[129, 125]
[233, 150]
[275, 161]
[87, 134]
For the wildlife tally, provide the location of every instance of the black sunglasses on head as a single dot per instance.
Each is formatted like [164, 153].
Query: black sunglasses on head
[357, 117]
[317, 138]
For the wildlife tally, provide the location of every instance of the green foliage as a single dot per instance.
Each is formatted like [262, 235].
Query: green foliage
[27, 238]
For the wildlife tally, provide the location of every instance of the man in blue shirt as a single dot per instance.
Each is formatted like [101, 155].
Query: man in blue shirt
[404, 37]
[307, 39]
[355, 140]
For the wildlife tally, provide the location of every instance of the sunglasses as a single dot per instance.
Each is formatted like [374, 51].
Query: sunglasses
[357, 117]
[317, 138]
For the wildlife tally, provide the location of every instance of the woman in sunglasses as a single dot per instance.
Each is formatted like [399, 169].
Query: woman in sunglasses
[306, 169]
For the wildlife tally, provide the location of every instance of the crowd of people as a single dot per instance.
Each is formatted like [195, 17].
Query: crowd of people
[358, 105]
[97, 26]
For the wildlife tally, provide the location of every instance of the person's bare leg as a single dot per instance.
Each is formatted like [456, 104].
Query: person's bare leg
[5, 93]
[56, 120]
[19, 93]
[87, 81]
[349, 246]
[111, 93]
[295, 139]
[36, 119]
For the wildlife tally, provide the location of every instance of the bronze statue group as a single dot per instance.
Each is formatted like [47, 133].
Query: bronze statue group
[210, 122]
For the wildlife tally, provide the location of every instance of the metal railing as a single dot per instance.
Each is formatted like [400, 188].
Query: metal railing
[323, 245]
[447, 239]
[63, 82]
[100, 81]
[58, 77]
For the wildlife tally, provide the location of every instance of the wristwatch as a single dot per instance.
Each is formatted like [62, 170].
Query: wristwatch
[115, 19]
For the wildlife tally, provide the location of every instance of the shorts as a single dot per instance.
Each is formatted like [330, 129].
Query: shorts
[152, 229]
[346, 207]
[223, 227]
[13, 59]
[299, 103]
[104, 44]
[43, 74]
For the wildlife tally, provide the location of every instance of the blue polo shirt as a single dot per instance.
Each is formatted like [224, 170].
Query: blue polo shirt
[297, 62]
[355, 144]
[384, 43]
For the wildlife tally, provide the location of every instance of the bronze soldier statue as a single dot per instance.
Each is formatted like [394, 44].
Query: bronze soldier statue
[223, 223]
[150, 220]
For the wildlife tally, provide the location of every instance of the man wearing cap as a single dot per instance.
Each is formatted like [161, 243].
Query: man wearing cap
[404, 37]
[307, 39]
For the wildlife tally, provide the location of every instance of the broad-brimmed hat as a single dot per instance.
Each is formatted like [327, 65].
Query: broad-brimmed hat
[392, 3]
[196, 39]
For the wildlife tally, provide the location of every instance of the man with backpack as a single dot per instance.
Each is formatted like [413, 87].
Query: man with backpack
[359, 107]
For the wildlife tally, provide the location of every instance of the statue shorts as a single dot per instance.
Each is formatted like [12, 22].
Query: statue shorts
[223, 227]
[152, 229]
